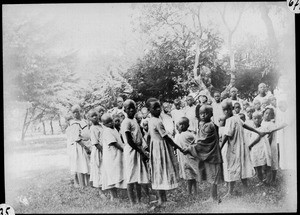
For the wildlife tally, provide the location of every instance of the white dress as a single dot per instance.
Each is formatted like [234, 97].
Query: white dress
[134, 168]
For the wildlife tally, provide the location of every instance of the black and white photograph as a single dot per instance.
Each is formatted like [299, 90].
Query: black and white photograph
[166, 107]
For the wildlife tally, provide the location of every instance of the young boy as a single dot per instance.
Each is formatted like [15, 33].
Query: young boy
[208, 150]
[237, 108]
[96, 154]
[188, 165]
[112, 163]
[260, 151]
[134, 157]
[238, 156]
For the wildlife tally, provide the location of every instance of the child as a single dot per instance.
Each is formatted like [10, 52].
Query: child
[237, 108]
[188, 165]
[224, 150]
[134, 157]
[177, 113]
[264, 103]
[217, 108]
[208, 151]
[164, 175]
[245, 104]
[96, 154]
[260, 151]
[249, 111]
[269, 125]
[112, 161]
[190, 113]
[78, 150]
[238, 156]
[146, 137]
[257, 105]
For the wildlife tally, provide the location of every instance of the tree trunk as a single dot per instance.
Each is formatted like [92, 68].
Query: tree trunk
[24, 126]
[51, 126]
[44, 128]
[60, 125]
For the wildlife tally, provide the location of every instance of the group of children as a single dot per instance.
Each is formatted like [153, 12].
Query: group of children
[214, 139]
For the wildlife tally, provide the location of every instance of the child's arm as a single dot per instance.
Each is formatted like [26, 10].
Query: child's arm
[279, 128]
[254, 130]
[171, 142]
[117, 145]
[254, 142]
[99, 147]
[83, 146]
[132, 144]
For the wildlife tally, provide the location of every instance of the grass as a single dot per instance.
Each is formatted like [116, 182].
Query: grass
[49, 190]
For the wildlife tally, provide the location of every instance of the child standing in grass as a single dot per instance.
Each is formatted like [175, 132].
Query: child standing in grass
[112, 163]
[188, 164]
[78, 150]
[164, 175]
[97, 151]
[134, 157]
[269, 125]
[208, 150]
[260, 151]
[238, 156]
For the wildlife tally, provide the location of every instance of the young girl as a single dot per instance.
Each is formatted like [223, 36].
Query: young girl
[164, 175]
[208, 151]
[134, 157]
[260, 151]
[112, 162]
[238, 156]
[78, 150]
[96, 154]
[188, 165]
[269, 125]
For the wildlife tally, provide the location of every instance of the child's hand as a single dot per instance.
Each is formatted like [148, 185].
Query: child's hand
[99, 147]
[88, 151]
[250, 147]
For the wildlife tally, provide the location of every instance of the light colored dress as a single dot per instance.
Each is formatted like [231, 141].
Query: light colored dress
[168, 123]
[188, 164]
[176, 115]
[190, 113]
[267, 126]
[112, 163]
[96, 155]
[261, 152]
[164, 174]
[217, 112]
[79, 159]
[238, 155]
[134, 167]
[248, 134]
[224, 153]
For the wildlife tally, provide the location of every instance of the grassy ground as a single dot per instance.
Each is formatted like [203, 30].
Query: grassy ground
[46, 188]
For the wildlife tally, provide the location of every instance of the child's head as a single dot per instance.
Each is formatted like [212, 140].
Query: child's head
[265, 102]
[203, 99]
[273, 101]
[177, 104]
[217, 96]
[257, 104]
[166, 107]
[189, 100]
[242, 116]
[93, 117]
[145, 125]
[117, 122]
[76, 111]
[154, 106]
[145, 112]
[182, 124]
[205, 113]
[120, 102]
[100, 110]
[245, 104]
[222, 120]
[233, 93]
[249, 111]
[138, 116]
[227, 107]
[237, 107]
[257, 118]
[262, 89]
[107, 120]
[129, 108]
[268, 114]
